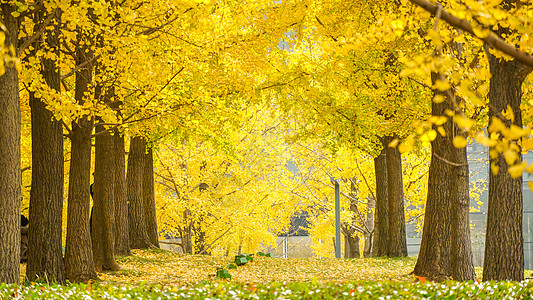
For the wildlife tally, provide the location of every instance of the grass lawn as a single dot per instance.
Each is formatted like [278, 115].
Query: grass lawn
[159, 274]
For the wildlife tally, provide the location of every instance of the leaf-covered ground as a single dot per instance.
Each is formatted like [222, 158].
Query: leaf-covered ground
[165, 267]
[158, 274]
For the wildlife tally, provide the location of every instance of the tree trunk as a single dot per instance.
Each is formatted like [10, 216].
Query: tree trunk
[397, 238]
[103, 228]
[200, 243]
[149, 198]
[45, 253]
[434, 256]
[187, 232]
[351, 246]
[138, 235]
[368, 234]
[504, 246]
[381, 221]
[122, 235]
[351, 239]
[461, 246]
[10, 156]
[79, 264]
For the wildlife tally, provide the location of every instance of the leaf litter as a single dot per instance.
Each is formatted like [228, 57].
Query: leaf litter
[167, 267]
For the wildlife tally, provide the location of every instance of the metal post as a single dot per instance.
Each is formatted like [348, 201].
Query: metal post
[337, 217]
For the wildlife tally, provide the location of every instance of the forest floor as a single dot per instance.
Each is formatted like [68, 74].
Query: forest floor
[160, 274]
[172, 268]
[161, 266]
[168, 267]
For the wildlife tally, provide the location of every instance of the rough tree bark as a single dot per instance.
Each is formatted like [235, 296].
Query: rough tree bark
[79, 265]
[186, 233]
[446, 247]
[381, 221]
[504, 245]
[351, 239]
[103, 228]
[45, 253]
[149, 198]
[122, 235]
[138, 235]
[10, 156]
[434, 256]
[504, 255]
[397, 238]
[351, 246]
[461, 245]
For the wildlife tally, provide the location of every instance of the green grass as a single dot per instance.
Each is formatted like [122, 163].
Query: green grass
[228, 290]
[161, 274]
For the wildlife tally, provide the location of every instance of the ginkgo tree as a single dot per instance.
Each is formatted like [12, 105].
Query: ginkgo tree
[354, 95]
[225, 200]
[219, 84]
[356, 173]
[139, 50]
[500, 25]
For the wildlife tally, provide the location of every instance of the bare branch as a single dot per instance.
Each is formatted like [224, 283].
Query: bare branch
[81, 66]
[220, 236]
[153, 97]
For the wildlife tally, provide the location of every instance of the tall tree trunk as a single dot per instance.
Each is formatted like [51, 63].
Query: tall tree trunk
[149, 198]
[187, 233]
[103, 228]
[79, 264]
[351, 239]
[138, 235]
[381, 221]
[397, 238]
[45, 254]
[10, 156]
[122, 235]
[462, 258]
[504, 246]
[434, 256]
[368, 230]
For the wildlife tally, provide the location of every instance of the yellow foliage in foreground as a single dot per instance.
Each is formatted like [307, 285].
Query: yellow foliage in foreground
[165, 267]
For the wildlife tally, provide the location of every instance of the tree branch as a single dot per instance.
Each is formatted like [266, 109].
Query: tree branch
[492, 39]
[210, 245]
[80, 66]
[38, 33]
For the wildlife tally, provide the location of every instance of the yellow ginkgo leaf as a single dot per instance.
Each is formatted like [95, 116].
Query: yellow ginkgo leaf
[393, 143]
[438, 99]
[459, 141]
[441, 86]
[510, 156]
[441, 130]
[438, 120]
[481, 32]
[463, 122]
[517, 170]
[529, 169]
[432, 134]
[495, 169]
